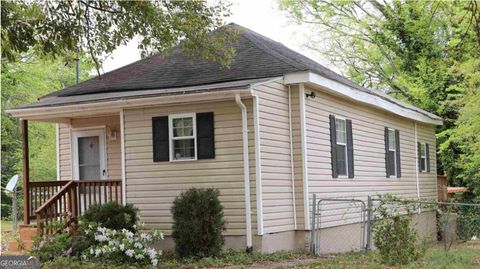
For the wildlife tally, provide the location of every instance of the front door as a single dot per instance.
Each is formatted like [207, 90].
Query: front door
[89, 158]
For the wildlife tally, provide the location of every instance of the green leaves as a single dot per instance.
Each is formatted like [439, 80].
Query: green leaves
[422, 52]
[63, 28]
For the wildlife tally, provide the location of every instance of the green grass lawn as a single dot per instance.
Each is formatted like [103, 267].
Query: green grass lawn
[465, 255]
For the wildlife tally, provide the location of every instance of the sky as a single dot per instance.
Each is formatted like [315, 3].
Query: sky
[262, 16]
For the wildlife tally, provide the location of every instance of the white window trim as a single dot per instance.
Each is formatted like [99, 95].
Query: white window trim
[76, 133]
[423, 158]
[171, 138]
[394, 150]
[342, 144]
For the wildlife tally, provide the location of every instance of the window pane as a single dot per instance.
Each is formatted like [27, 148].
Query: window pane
[391, 139]
[422, 150]
[341, 160]
[184, 149]
[341, 131]
[182, 127]
[423, 166]
[391, 163]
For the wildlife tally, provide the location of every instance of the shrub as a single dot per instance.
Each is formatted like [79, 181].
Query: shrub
[394, 237]
[112, 216]
[198, 223]
[57, 245]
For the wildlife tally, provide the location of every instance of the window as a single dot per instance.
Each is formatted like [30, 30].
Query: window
[423, 157]
[341, 142]
[182, 137]
[341, 148]
[391, 155]
[392, 152]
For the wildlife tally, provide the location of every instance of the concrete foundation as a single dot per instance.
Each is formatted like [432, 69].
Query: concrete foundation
[337, 239]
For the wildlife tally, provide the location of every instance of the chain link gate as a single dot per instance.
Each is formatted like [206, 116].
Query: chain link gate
[338, 225]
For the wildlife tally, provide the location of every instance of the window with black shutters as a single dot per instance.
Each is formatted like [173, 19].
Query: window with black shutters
[341, 139]
[183, 137]
[391, 152]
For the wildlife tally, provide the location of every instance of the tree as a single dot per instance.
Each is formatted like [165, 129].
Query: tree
[420, 51]
[22, 83]
[64, 28]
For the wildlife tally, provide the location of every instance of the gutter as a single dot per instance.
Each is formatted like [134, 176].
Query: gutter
[246, 172]
[113, 106]
[370, 99]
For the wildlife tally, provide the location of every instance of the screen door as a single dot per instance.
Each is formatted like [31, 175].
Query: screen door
[89, 154]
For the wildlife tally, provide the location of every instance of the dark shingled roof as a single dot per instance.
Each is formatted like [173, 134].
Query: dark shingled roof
[257, 57]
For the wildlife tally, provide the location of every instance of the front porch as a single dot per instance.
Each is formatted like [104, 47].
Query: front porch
[88, 172]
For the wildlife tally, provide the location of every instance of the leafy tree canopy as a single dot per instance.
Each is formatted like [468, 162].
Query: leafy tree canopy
[62, 28]
[424, 52]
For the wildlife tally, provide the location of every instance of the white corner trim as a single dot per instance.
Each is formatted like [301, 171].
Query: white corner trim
[363, 97]
[258, 164]
[303, 131]
[57, 145]
[246, 170]
[292, 165]
[122, 152]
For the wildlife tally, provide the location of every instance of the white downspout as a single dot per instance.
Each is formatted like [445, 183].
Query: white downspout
[122, 151]
[246, 171]
[258, 164]
[292, 167]
[303, 131]
[416, 166]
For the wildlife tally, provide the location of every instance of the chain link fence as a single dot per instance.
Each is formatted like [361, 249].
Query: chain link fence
[343, 224]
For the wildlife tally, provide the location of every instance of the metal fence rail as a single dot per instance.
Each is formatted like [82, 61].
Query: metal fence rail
[348, 224]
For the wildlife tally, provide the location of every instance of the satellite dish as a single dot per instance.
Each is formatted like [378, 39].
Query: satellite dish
[12, 183]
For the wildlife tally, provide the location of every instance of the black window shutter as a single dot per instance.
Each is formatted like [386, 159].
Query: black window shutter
[419, 156]
[205, 136]
[160, 139]
[397, 152]
[351, 166]
[427, 152]
[333, 143]
[386, 152]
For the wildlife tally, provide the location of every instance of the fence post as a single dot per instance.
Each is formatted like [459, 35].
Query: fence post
[312, 226]
[369, 223]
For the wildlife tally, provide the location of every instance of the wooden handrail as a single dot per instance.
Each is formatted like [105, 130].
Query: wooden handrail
[72, 199]
[54, 198]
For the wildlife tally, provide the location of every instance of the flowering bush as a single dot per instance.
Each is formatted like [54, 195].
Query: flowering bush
[123, 245]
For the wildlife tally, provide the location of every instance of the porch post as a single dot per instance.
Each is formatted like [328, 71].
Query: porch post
[26, 173]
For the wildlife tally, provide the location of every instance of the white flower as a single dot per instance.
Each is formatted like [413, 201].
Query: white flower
[151, 253]
[474, 238]
[129, 252]
[84, 257]
[92, 251]
[101, 238]
[139, 256]
[134, 226]
[162, 236]
[154, 262]
[98, 252]
[122, 247]
[138, 245]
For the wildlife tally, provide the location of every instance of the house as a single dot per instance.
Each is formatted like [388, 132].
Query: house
[269, 132]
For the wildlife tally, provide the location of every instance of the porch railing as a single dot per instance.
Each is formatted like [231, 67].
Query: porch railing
[70, 200]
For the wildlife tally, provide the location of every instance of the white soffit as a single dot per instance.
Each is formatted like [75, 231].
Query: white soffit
[360, 96]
